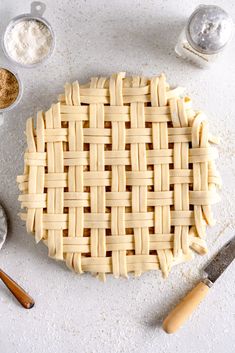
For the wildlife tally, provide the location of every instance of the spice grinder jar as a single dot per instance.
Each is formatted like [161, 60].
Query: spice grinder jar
[12, 104]
[37, 10]
[205, 36]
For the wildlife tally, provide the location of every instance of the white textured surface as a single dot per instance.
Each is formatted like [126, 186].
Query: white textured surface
[80, 314]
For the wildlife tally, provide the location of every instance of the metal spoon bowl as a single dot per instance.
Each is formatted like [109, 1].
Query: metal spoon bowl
[3, 226]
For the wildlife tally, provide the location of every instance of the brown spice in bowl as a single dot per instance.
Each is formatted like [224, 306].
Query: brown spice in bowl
[9, 88]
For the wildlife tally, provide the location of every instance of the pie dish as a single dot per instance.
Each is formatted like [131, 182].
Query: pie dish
[119, 176]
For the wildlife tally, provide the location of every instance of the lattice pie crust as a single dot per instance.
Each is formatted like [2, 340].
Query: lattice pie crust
[119, 176]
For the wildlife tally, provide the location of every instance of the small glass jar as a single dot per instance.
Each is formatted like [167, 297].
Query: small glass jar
[205, 36]
[18, 98]
[37, 10]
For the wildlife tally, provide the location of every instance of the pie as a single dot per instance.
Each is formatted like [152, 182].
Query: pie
[119, 176]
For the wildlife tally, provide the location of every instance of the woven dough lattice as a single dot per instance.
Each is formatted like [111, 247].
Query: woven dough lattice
[119, 176]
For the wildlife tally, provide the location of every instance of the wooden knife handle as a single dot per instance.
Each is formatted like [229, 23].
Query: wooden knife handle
[185, 308]
[23, 298]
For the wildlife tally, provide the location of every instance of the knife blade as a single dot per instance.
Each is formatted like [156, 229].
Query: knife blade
[221, 261]
[190, 302]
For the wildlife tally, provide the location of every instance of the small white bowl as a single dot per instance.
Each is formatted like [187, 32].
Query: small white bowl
[37, 10]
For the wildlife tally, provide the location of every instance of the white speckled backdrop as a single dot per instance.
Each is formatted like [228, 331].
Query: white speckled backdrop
[81, 314]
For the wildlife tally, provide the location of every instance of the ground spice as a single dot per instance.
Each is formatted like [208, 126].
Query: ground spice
[9, 88]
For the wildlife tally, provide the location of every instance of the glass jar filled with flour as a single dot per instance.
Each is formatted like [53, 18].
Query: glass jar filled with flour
[208, 31]
[29, 39]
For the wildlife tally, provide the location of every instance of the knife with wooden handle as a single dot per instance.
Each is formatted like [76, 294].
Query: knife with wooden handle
[186, 307]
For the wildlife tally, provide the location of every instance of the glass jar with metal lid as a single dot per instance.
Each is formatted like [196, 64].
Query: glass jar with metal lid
[208, 31]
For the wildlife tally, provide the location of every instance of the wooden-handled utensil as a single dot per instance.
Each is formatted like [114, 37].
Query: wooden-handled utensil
[186, 307]
[23, 298]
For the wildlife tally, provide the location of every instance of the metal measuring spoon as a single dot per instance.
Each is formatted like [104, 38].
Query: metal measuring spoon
[23, 298]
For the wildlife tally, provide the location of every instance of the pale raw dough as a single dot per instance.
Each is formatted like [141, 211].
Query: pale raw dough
[120, 177]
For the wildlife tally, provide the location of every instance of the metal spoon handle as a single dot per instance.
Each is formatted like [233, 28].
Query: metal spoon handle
[23, 298]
